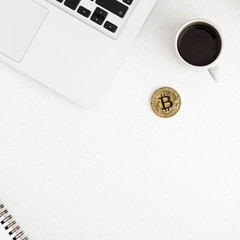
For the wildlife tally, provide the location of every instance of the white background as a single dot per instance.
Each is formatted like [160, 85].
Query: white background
[145, 177]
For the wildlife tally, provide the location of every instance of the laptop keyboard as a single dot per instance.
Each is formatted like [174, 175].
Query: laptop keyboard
[107, 16]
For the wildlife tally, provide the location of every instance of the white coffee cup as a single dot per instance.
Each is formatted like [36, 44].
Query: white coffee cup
[213, 67]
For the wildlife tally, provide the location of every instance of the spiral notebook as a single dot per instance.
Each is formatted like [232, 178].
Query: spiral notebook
[9, 229]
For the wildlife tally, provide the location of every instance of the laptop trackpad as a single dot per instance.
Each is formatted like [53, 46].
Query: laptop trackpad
[20, 21]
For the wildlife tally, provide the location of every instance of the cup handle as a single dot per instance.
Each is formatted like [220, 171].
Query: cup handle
[215, 73]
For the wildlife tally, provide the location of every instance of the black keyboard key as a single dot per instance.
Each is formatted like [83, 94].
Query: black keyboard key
[110, 26]
[99, 16]
[83, 11]
[60, 1]
[128, 2]
[97, 19]
[72, 4]
[101, 13]
[113, 6]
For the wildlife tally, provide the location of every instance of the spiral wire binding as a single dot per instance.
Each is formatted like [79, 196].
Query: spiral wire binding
[10, 225]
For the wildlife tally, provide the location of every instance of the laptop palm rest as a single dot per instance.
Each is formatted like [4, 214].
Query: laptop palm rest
[20, 20]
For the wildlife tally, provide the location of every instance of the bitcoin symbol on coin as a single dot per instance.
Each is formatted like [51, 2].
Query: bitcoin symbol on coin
[165, 102]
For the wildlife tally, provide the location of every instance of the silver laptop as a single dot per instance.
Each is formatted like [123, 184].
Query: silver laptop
[72, 46]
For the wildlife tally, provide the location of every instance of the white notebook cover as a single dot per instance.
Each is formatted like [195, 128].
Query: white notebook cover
[4, 235]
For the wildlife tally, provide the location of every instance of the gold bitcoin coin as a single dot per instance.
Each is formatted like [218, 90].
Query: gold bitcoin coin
[165, 102]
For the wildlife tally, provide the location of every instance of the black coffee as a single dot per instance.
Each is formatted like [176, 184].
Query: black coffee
[199, 44]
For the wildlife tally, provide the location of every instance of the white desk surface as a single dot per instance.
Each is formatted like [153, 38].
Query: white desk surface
[160, 179]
